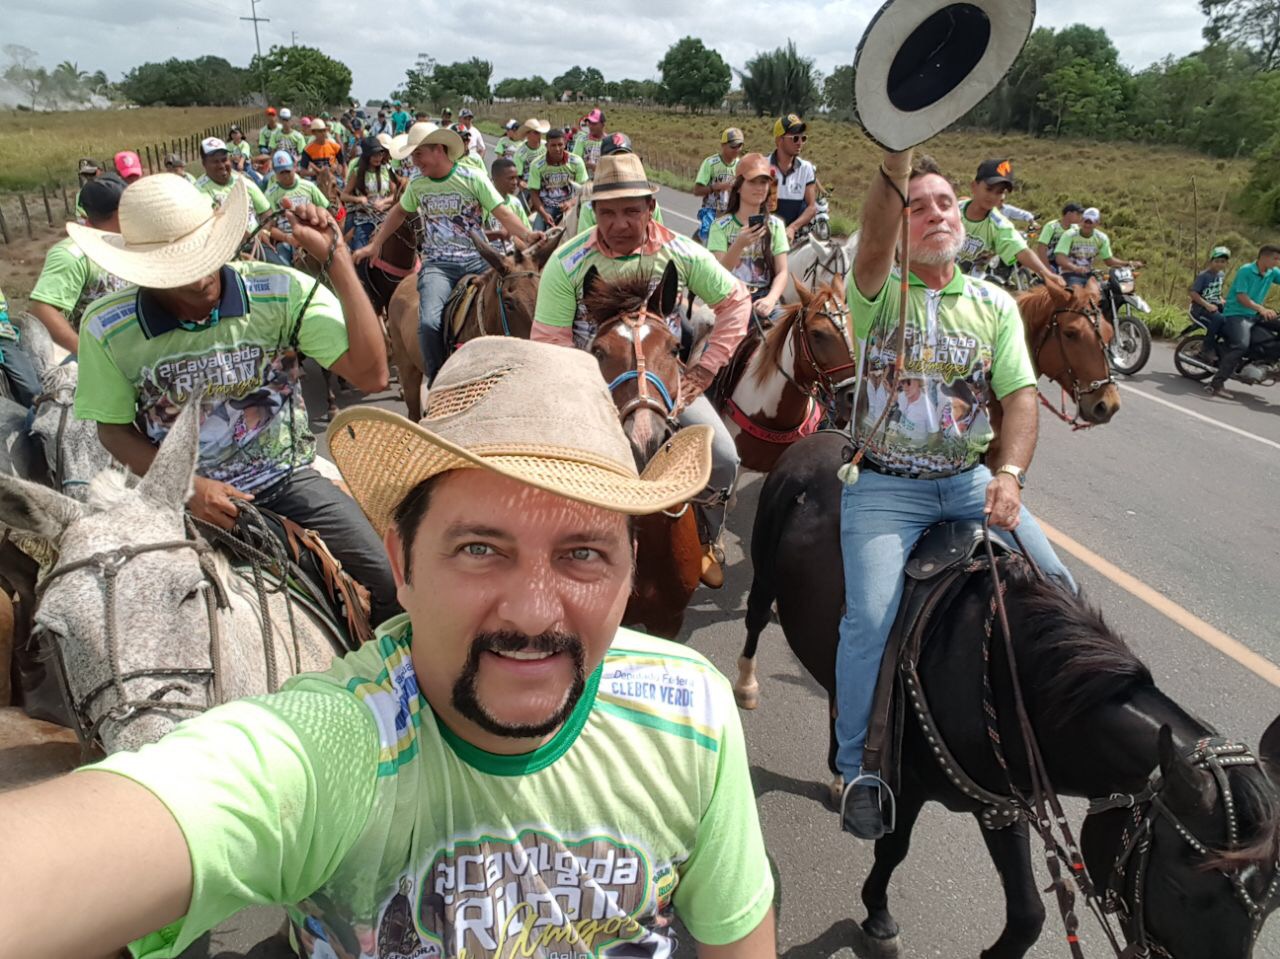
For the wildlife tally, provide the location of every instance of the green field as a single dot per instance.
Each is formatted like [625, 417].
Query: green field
[40, 148]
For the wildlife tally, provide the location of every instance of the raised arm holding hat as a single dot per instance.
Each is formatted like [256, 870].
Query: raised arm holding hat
[988, 230]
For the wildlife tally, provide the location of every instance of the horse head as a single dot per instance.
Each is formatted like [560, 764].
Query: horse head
[1067, 335]
[515, 282]
[638, 354]
[125, 608]
[823, 357]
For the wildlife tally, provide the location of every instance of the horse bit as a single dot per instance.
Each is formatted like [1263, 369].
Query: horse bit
[1054, 329]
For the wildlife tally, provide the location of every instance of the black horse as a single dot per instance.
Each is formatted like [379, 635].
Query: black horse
[1102, 724]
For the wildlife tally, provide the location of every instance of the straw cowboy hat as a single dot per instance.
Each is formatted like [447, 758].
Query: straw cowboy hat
[170, 235]
[535, 412]
[621, 175]
[420, 133]
[534, 126]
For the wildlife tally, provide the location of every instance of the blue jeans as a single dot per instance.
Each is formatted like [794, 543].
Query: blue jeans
[436, 281]
[17, 366]
[280, 255]
[361, 234]
[881, 519]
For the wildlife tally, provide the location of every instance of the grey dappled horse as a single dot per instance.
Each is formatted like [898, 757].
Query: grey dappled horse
[150, 626]
[818, 263]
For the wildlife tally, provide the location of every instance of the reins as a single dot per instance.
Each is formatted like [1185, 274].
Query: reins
[1054, 330]
[60, 480]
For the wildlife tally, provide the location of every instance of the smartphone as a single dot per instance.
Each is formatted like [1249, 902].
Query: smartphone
[755, 221]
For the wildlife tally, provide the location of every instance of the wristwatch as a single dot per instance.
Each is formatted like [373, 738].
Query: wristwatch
[1017, 472]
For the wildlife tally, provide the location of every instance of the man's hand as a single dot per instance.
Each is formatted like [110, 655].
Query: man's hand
[314, 229]
[1004, 501]
[1267, 314]
[693, 383]
[1054, 280]
[215, 502]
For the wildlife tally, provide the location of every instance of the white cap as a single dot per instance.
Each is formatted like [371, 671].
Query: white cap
[211, 145]
[282, 160]
[1092, 215]
[286, 113]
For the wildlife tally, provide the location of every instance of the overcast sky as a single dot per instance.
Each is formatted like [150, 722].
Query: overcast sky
[380, 40]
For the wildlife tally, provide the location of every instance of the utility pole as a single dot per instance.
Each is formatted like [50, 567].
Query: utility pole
[262, 70]
[293, 38]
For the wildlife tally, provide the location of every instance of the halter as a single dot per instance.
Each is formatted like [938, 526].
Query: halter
[1054, 329]
[60, 480]
[645, 378]
[824, 377]
[502, 304]
[1128, 873]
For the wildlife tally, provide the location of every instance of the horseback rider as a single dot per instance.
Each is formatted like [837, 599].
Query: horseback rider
[322, 151]
[989, 231]
[503, 771]
[532, 147]
[267, 133]
[1246, 318]
[553, 178]
[958, 330]
[373, 187]
[1081, 245]
[615, 142]
[797, 178]
[70, 281]
[749, 241]
[624, 241]
[198, 321]
[287, 185]
[451, 199]
[219, 179]
[715, 179]
[587, 143]
[287, 138]
[1052, 232]
[16, 367]
[507, 184]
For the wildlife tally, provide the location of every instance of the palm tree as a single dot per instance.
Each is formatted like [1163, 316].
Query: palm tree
[780, 81]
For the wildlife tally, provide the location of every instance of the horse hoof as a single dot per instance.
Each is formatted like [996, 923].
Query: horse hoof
[835, 793]
[747, 697]
[874, 941]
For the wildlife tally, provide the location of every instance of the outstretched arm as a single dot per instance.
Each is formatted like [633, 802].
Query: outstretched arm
[881, 220]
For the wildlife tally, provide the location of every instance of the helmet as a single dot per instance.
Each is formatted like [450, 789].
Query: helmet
[615, 143]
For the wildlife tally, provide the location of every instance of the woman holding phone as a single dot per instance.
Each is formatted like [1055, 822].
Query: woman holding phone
[749, 241]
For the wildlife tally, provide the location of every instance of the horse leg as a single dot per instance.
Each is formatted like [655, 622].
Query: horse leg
[1010, 850]
[759, 610]
[411, 387]
[880, 926]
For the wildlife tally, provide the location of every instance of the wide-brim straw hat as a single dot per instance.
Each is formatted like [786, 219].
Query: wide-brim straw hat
[170, 233]
[420, 133]
[535, 126]
[535, 412]
[621, 175]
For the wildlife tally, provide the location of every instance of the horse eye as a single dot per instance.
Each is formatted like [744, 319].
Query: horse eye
[195, 591]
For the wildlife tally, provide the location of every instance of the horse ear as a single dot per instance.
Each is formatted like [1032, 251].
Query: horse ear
[802, 291]
[1059, 294]
[38, 510]
[589, 282]
[1187, 789]
[489, 254]
[1269, 751]
[39, 344]
[168, 482]
[667, 293]
[541, 252]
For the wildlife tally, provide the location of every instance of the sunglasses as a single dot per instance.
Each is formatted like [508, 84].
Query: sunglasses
[798, 138]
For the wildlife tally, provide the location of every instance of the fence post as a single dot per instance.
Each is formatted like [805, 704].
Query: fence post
[150, 166]
[26, 215]
[4, 226]
[48, 210]
[66, 200]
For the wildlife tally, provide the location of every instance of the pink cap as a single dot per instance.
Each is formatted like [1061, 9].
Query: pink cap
[128, 164]
[595, 116]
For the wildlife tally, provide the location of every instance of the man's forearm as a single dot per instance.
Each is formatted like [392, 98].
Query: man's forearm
[511, 222]
[805, 217]
[1033, 262]
[364, 332]
[127, 446]
[881, 219]
[1018, 428]
[58, 325]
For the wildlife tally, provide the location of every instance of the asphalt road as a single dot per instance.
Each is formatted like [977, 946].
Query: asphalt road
[1175, 491]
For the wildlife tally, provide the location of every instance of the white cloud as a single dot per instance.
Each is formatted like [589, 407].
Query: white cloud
[380, 41]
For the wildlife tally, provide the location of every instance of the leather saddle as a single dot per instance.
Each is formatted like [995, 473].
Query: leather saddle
[940, 565]
[458, 307]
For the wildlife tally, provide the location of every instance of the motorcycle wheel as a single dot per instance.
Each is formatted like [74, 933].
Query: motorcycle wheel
[1189, 346]
[1131, 346]
[822, 230]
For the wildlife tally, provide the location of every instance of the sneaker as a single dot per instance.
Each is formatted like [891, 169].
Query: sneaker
[860, 813]
[1214, 389]
[712, 568]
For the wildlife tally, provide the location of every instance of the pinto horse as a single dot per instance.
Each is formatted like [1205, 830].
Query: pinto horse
[639, 358]
[1183, 844]
[782, 385]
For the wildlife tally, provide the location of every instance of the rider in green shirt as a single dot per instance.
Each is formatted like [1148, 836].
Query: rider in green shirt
[989, 231]
[1052, 232]
[587, 143]
[287, 185]
[553, 179]
[1083, 244]
[715, 178]
[219, 178]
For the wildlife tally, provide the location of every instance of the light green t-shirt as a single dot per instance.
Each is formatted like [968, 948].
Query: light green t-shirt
[715, 171]
[587, 215]
[588, 148]
[505, 145]
[512, 202]
[293, 142]
[217, 192]
[524, 156]
[70, 281]
[301, 193]
[267, 137]
[963, 344]
[1083, 250]
[554, 184]
[377, 184]
[995, 233]
[560, 289]
[1050, 234]
[241, 148]
[249, 436]
[449, 209]
[755, 267]
[344, 798]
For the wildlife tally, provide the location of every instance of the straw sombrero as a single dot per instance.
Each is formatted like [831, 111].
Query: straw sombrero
[621, 175]
[170, 233]
[534, 126]
[420, 133]
[535, 412]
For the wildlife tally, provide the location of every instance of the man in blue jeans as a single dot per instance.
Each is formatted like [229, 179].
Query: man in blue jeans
[1247, 320]
[451, 200]
[922, 456]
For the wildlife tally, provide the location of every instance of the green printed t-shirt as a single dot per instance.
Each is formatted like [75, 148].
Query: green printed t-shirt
[555, 183]
[713, 172]
[137, 361]
[560, 289]
[1253, 284]
[70, 281]
[1050, 234]
[1083, 250]
[511, 202]
[258, 202]
[301, 193]
[995, 233]
[963, 344]
[524, 156]
[293, 142]
[449, 209]
[587, 215]
[755, 267]
[588, 148]
[344, 798]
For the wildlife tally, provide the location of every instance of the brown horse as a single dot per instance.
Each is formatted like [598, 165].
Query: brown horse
[639, 358]
[397, 259]
[780, 388]
[502, 306]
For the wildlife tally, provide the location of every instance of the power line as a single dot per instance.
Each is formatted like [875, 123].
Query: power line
[253, 6]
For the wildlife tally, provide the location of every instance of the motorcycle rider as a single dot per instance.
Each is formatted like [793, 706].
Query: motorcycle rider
[1246, 320]
[1207, 301]
[1052, 232]
[1081, 245]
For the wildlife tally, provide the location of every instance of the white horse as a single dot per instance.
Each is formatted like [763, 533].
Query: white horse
[818, 262]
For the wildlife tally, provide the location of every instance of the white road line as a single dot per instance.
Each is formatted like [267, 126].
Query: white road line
[667, 211]
[1200, 416]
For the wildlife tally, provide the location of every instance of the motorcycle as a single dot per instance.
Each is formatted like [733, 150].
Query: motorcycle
[1260, 367]
[820, 225]
[1130, 347]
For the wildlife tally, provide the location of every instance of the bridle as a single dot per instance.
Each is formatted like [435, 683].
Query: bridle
[1125, 888]
[824, 377]
[60, 481]
[502, 303]
[660, 400]
[1054, 330]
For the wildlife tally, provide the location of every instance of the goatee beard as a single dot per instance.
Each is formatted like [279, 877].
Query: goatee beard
[467, 702]
[941, 256]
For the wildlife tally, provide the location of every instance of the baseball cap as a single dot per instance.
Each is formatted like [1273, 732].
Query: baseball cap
[732, 135]
[271, 111]
[464, 112]
[615, 143]
[212, 145]
[127, 164]
[1091, 215]
[100, 197]
[1219, 252]
[511, 124]
[281, 160]
[172, 160]
[992, 172]
[446, 112]
[286, 113]
[595, 116]
[1072, 207]
[791, 123]
[317, 125]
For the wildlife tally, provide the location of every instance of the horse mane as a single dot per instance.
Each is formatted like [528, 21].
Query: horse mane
[775, 341]
[110, 488]
[1038, 304]
[609, 298]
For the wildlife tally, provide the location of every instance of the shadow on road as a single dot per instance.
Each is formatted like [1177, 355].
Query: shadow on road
[766, 781]
[1176, 385]
[845, 934]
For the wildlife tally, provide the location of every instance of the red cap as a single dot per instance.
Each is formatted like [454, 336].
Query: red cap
[595, 116]
[271, 111]
[128, 164]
